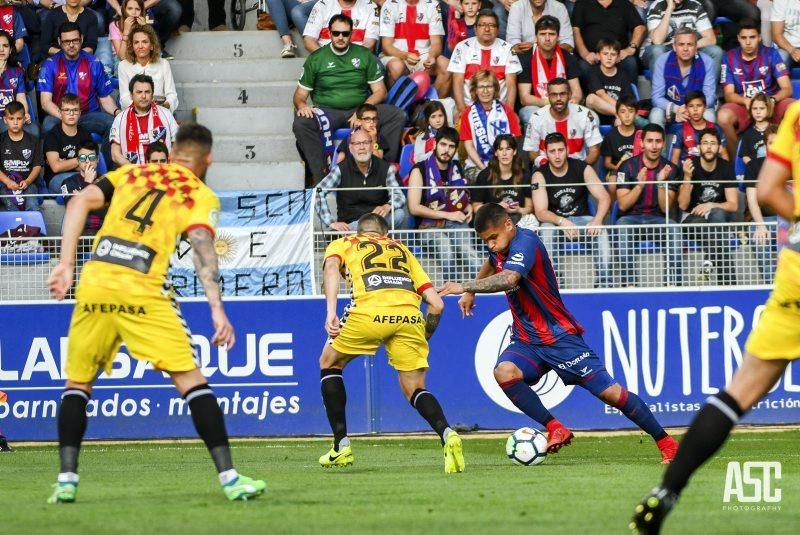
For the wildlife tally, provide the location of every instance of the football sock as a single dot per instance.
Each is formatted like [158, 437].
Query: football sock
[335, 398]
[639, 413]
[228, 476]
[526, 400]
[428, 407]
[71, 427]
[210, 425]
[708, 432]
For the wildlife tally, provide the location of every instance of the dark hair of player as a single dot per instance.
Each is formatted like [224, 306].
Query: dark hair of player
[196, 135]
[489, 215]
[372, 223]
[449, 133]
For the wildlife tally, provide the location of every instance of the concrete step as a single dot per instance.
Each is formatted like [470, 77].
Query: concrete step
[253, 121]
[230, 45]
[235, 94]
[255, 149]
[256, 70]
[225, 176]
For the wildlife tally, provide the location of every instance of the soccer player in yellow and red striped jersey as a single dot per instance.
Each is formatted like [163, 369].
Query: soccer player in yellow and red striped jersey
[387, 284]
[771, 346]
[124, 296]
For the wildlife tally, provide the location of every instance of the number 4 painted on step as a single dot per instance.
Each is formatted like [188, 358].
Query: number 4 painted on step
[243, 96]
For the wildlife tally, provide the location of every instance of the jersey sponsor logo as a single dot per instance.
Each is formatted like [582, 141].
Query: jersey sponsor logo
[114, 308]
[356, 62]
[136, 256]
[331, 65]
[494, 339]
[398, 318]
[575, 361]
[387, 280]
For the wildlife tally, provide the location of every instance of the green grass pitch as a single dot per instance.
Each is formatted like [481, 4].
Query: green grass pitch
[396, 486]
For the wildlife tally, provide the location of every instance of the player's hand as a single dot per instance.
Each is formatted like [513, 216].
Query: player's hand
[340, 226]
[223, 330]
[593, 228]
[60, 281]
[305, 111]
[761, 235]
[332, 326]
[466, 303]
[450, 288]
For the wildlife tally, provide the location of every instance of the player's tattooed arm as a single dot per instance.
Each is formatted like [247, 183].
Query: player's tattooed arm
[499, 282]
[206, 263]
[434, 312]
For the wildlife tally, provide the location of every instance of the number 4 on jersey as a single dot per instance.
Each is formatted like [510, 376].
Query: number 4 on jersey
[142, 210]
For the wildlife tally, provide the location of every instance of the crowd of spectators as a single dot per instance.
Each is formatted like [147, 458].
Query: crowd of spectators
[538, 78]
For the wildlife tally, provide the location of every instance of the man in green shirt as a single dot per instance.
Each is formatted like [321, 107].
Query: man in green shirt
[339, 77]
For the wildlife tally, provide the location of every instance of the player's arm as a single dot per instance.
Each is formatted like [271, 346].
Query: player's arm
[93, 197]
[330, 284]
[206, 266]
[434, 312]
[499, 282]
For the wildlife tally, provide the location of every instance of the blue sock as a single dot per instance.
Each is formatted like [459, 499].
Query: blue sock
[639, 413]
[526, 400]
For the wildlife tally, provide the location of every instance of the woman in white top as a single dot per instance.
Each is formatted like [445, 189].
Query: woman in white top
[144, 57]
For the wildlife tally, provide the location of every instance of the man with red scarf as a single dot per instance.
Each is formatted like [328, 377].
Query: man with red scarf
[143, 123]
[546, 61]
[74, 71]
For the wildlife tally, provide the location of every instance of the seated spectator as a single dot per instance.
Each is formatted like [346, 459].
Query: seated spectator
[367, 115]
[559, 202]
[607, 83]
[142, 123]
[709, 195]
[500, 10]
[365, 31]
[438, 198]
[578, 123]
[677, 72]
[75, 71]
[434, 117]
[12, 83]
[461, 24]
[666, 17]
[11, 22]
[84, 18]
[687, 139]
[157, 153]
[144, 57]
[87, 158]
[748, 70]
[618, 145]
[505, 181]
[763, 237]
[753, 144]
[216, 16]
[168, 15]
[20, 162]
[735, 10]
[120, 28]
[61, 143]
[540, 65]
[646, 193]
[337, 92]
[522, 19]
[611, 20]
[484, 51]
[785, 27]
[282, 12]
[484, 120]
[369, 176]
[412, 39]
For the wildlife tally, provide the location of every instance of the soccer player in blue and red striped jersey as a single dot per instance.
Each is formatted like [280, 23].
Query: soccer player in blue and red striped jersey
[545, 336]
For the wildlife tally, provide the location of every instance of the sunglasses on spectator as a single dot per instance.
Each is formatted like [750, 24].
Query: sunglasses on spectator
[337, 33]
[87, 157]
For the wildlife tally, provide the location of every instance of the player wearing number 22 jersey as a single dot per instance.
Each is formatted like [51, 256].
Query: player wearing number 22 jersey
[544, 335]
[387, 285]
[123, 296]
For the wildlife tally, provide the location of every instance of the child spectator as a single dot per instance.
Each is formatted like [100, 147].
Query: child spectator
[618, 145]
[461, 25]
[687, 140]
[87, 174]
[12, 82]
[434, 117]
[120, 27]
[20, 162]
[753, 143]
[607, 82]
[367, 116]
[62, 142]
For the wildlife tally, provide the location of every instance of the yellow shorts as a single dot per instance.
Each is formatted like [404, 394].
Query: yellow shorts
[777, 334]
[400, 329]
[150, 325]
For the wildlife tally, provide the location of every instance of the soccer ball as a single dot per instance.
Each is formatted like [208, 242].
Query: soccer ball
[527, 447]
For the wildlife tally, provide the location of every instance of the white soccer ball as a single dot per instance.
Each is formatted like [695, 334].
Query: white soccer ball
[527, 447]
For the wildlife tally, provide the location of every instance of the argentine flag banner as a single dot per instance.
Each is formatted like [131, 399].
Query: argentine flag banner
[265, 245]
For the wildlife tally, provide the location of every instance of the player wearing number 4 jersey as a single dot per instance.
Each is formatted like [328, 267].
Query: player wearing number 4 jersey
[544, 336]
[386, 282]
[123, 296]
